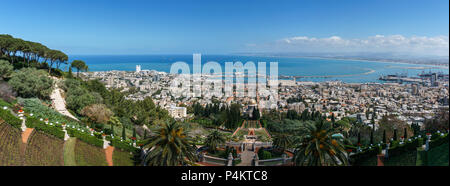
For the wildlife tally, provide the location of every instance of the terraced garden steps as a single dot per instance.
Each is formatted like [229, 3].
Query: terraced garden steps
[89, 155]
[122, 158]
[44, 150]
[10, 145]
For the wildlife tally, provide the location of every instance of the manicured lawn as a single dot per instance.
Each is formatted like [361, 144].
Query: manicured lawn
[438, 156]
[10, 142]
[69, 152]
[89, 155]
[122, 158]
[404, 159]
[370, 161]
[44, 150]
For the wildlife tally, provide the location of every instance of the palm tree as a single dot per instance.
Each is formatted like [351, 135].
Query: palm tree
[282, 141]
[318, 148]
[214, 139]
[170, 146]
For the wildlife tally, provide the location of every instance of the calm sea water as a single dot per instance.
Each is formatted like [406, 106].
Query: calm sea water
[360, 71]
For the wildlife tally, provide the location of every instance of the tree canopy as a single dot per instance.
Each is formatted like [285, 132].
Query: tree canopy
[29, 51]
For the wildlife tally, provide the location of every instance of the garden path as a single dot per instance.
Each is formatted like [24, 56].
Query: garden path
[247, 157]
[26, 134]
[58, 101]
[109, 155]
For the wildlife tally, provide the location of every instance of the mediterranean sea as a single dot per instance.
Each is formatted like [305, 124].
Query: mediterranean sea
[312, 69]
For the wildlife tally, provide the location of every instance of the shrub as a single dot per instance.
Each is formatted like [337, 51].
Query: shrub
[6, 92]
[10, 118]
[33, 105]
[29, 82]
[55, 130]
[6, 69]
[93, 140]
[355, 159]
[97, 113]
[123, 145]
[438, 141]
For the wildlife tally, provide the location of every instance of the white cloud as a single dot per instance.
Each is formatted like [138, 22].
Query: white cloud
[414, 45]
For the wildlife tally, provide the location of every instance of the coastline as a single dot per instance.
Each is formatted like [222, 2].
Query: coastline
[442, 66]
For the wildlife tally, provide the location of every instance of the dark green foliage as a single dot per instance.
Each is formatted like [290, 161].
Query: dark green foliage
[31, 83]
[56, 130]
[371, 137]
[93, 140]
[264, 154]
[395, 135]
[123, 145]
[10, 118]
[405, 134]
[124, 136]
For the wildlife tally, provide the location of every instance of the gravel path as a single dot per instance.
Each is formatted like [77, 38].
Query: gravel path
[58, 101]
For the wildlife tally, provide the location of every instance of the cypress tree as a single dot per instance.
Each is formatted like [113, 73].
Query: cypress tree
[371, 137]
[124, 136]
[359, 138]
[395, 134]
[333, 120]
[406, 134]
[134, 132]
[112, 129]
[384, 136]
[69, 74]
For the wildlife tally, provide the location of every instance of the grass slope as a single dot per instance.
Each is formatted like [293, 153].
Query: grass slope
[10, 143]
[122, 158]
[44, 150]
[438, 156]
[69, 152]
[89, 155]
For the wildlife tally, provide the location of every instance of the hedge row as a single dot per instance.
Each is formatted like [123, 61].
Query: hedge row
[439, 140]
[405, 147]
[10, 118]
[93, 140]
[360, 156]
[55, 130]
[123, 145]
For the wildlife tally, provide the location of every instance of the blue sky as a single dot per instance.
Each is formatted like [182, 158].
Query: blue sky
[221, 27]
